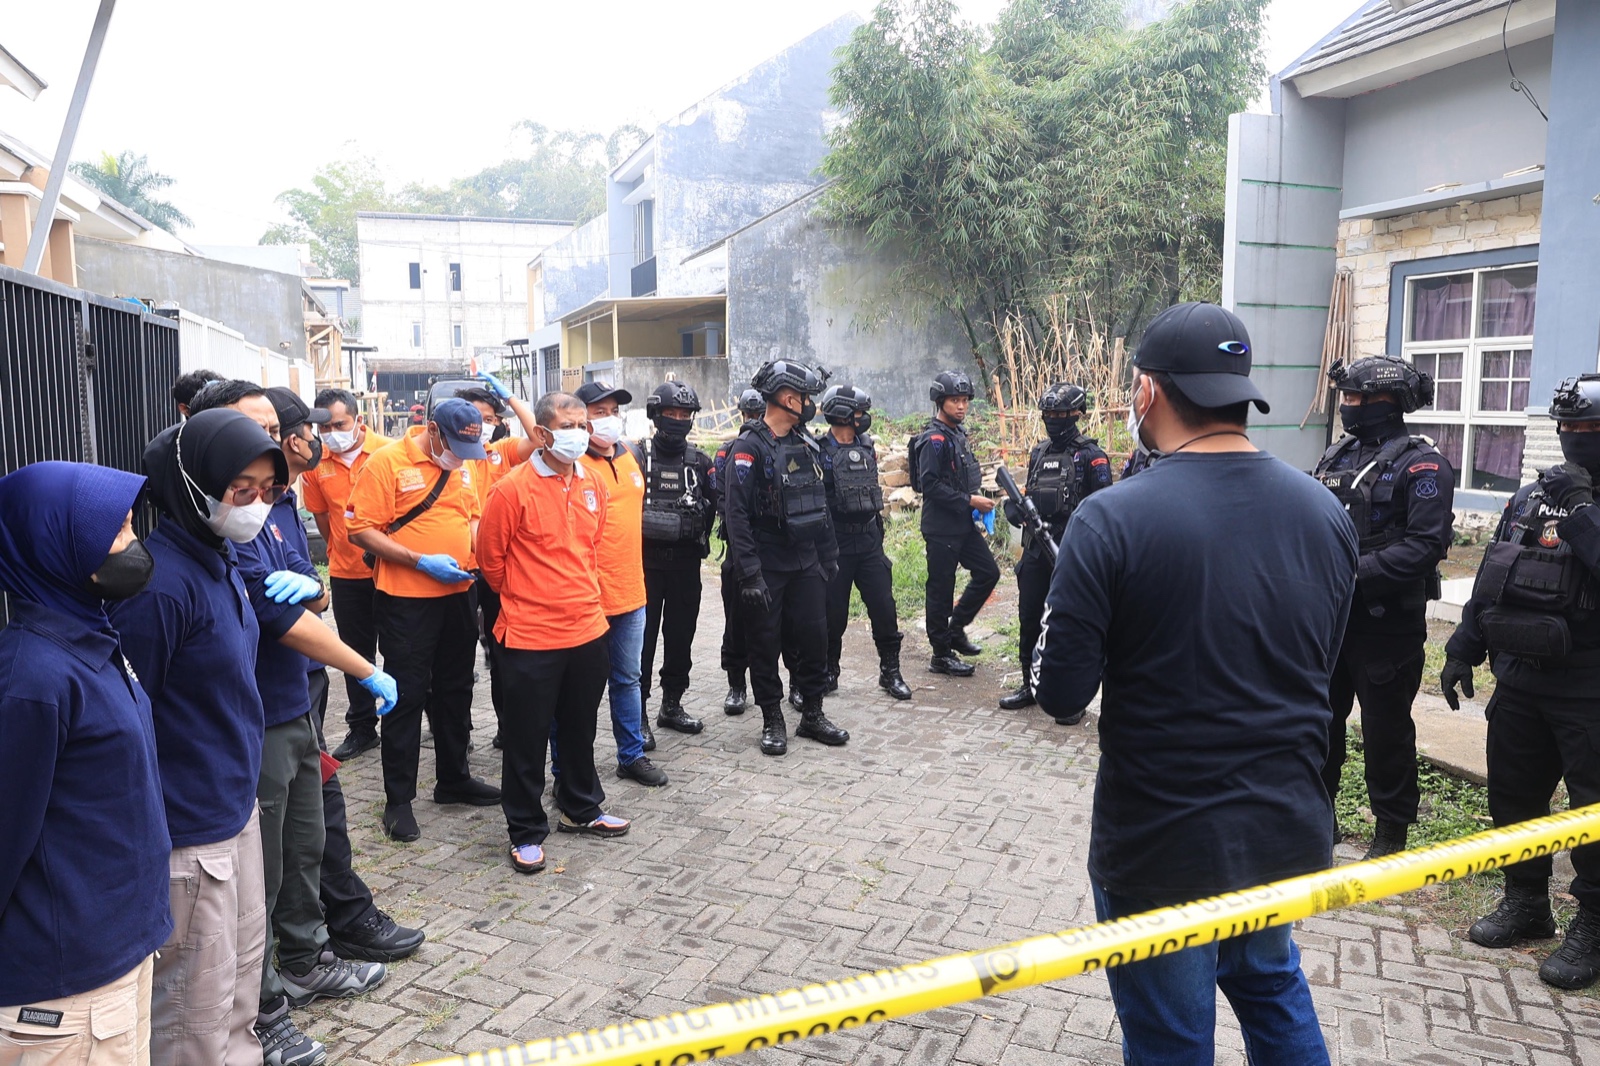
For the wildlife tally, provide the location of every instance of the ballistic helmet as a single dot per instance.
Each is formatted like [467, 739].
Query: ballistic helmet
[671, 394]
[841, 403]
[782, 373]
[751, 403]
[1064, 398]
[1385, 373]
[950, 383]
[1577, 400]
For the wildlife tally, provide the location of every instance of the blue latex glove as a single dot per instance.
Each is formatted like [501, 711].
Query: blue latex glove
[493, 384]
[382, 686]
[442, 568]
[287, 586]
[984, 519]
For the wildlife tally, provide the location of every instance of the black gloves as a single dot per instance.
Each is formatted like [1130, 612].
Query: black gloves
[1456, 672]
[753, 595]
[1569, 485]
[830, 570]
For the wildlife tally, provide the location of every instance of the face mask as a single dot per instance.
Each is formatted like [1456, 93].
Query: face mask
[569, 444]
[1371, 421]
[314, 446]
[1136, 423]
[501, 432]
[238, 524]
[863, 421]
[607, 429]
[446, 459]
[808, 411]
[124, 574]
[340, 443]
[1061, 430]
[1581, 448]
[673, 429]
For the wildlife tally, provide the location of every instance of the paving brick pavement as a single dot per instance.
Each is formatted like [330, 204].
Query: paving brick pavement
[944, 825]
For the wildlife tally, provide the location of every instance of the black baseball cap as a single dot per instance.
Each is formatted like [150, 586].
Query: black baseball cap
[595, 391]
[1205, 349]
[293, 412]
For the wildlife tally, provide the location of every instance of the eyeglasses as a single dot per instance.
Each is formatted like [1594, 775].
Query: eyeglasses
[248, 494]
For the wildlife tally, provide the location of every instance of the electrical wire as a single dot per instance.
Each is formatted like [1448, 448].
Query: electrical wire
[1517, 84]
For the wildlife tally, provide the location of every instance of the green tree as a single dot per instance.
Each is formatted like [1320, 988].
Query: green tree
[1064, 155]
[128, 179]
[325, 214]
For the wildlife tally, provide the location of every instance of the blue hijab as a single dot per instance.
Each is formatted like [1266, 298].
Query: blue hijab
[57, 524]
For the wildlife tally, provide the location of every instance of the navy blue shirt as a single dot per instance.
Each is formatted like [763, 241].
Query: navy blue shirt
[280, 670]
[1210, 595]
[83, 838]
[191, 640]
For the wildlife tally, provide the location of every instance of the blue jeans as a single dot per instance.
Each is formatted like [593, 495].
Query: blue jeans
[625, 642]
[1168, 1005]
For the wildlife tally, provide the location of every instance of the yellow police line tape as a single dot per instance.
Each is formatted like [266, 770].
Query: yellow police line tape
[815, 1010]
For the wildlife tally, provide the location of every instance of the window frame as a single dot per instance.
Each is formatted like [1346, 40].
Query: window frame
[416, 334]
[455, 277]
[414, 275]
[1472, 349]
[457, 336]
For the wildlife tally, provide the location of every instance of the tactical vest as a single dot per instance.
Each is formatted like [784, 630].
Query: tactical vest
[966, 468]
[675, 503]
[856, 491]
[793, 507]
[1535, 588]
[1055, 485]
[1363, 490]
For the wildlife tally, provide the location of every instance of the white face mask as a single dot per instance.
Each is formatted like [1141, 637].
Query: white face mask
[238, 524]
[569, 444]
[1136, 421]
[445, 459]
[608, 429]
[340, 442]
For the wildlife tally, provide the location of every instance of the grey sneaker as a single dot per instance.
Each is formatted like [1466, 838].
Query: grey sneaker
[282, 1043]
[331, 977]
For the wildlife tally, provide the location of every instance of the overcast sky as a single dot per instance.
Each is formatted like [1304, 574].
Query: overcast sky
[241, 101]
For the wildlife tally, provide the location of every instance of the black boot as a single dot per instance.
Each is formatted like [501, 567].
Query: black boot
[960, 644]
[889, 678]
[1387, 838]
[644, 729]
[774, 731]
[673, 716]
[735, 702]
[794, 696]
[1523, 914]
[1019, 699]
[833, 680]
[1576, 963]
[945, 663]
[814, 725]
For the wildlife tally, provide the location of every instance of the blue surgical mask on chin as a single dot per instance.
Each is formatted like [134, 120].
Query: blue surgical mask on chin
[569, 444]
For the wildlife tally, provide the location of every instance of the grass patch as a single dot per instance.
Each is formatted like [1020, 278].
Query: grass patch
[1450, 806]
[1433, 662]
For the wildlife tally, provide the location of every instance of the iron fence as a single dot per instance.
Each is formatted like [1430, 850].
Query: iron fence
[83, 378]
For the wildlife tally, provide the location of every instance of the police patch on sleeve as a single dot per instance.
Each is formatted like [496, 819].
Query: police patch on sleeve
[1425, 488]
[741, 466]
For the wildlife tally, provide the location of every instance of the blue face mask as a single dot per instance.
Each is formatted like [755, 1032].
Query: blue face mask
[569, 444]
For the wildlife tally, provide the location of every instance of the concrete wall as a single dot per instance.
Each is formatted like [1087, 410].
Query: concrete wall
[575, 269]
[1567, 328]
[1283, 195]
[263, 305]
[1459, 124]
[492, 305]
[709, 377]
[799, 289]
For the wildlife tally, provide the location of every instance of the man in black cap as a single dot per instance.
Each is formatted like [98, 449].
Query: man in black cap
[947, 474]
[1208, 596]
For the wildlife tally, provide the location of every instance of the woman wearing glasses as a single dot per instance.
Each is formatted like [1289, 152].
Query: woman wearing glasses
[190, 637]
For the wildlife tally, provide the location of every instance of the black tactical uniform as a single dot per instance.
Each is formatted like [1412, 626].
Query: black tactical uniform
[1397, 490]
[734, 659]
[855, 500]
[679, 505]
[1535, 612]
[1062, 471]
[781, 550]
[947, 474]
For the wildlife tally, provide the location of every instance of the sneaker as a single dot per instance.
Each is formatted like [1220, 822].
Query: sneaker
[356, 742]
[604, 826]
[527, 858]
[643, 771]
[282, 1042]
[331, 977]
[378, 939]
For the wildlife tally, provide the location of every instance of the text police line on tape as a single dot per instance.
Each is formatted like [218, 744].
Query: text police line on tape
[726, 1029]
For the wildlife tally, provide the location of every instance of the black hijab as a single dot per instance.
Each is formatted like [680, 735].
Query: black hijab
[215, 446]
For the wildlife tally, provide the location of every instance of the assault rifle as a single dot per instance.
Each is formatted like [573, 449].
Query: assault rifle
[1031, 520]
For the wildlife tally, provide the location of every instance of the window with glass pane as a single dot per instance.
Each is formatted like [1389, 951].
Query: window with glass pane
[1441, 308]
[1503, 379]
[1445, 367]
[1448, 439]
[1505, 306]
[1497, 458]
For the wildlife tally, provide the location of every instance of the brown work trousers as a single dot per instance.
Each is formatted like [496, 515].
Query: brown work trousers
[106, 1026]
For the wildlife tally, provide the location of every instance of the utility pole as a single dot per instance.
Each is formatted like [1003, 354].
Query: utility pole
[69, 133]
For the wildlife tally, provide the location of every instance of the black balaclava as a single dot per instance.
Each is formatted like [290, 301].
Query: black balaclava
[216, 445]
[1582, 449]
[1373, 421]
[1062, 430]
[672, 434]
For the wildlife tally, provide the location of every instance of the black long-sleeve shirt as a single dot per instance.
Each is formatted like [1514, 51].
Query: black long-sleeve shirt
[1210, 595]
[948, 474]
